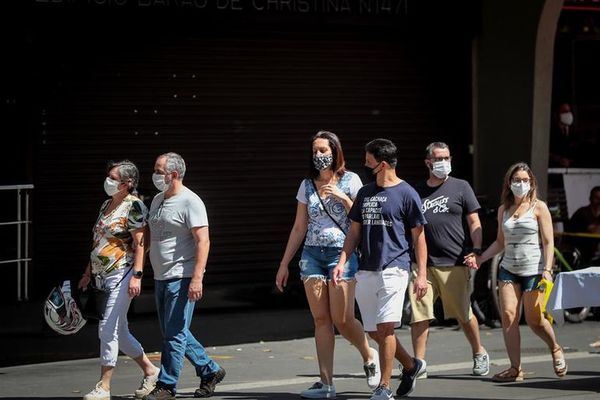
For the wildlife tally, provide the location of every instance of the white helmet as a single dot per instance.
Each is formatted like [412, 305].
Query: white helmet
[61, 311]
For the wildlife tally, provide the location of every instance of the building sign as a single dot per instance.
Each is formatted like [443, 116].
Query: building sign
[348, 7]
[582, 5]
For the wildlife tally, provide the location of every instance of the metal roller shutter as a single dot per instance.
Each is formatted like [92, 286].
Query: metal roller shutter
[240, 106]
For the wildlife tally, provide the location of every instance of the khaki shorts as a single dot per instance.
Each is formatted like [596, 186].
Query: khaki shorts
[449, 283]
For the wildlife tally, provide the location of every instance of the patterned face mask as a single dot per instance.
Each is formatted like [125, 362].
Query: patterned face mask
[322, 162]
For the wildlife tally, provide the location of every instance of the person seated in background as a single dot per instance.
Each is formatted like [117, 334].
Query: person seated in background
[587, 220]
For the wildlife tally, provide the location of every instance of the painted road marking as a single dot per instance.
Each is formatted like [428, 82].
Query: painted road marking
[430, 369]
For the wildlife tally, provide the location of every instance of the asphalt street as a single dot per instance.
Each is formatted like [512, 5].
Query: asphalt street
[283, 362]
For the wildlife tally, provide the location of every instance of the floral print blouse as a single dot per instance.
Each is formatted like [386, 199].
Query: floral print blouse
[113, 243]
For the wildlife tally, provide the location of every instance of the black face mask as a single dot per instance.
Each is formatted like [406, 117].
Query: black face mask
[371, 176]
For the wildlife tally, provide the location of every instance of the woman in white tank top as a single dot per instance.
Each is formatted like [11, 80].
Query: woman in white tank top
[523, 220]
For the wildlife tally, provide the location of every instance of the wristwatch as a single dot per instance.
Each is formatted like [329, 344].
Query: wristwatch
[477, 251]
[138, 274]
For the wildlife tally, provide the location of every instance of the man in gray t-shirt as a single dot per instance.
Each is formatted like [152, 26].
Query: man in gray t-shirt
[173, 252]
[453, 230]
[179, 245]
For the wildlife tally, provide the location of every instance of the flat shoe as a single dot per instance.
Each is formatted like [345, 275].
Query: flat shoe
[512, 374]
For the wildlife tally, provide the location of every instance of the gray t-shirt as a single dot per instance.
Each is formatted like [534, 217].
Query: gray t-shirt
[173, 248]
[445, 207]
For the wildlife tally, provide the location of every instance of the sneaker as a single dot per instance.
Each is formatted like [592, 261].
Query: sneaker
[409, 378]
[99, 393]
[208, 384]
[481, 364]
[422, 374]
[372, 370]
[382, 393]
[319, 391]
[148, 383]
[160, 393]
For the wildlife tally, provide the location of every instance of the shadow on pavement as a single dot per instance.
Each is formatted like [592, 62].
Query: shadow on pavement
[587, 384]
[29, 340]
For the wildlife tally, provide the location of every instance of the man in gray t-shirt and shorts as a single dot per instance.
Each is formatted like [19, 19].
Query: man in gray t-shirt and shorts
[453, 231]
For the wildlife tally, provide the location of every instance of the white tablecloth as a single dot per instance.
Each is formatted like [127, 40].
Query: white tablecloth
[574, 289]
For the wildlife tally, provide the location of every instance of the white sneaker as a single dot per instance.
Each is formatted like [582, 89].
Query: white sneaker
[319, 391]
[481, 364]
[99, 393]
[148, 383]
[372, 370]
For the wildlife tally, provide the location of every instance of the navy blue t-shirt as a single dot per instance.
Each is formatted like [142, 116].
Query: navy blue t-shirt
[446, 207]
[387, 215]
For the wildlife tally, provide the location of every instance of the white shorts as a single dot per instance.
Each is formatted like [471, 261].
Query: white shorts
[380, 296]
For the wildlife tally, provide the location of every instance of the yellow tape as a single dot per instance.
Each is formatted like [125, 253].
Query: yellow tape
[579, 234]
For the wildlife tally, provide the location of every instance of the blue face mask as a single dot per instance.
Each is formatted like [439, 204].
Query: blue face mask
[322, 161]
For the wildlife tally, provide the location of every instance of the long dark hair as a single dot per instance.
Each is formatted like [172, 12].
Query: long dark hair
[339, 163]
[508, 199]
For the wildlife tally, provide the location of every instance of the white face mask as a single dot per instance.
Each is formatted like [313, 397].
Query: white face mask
[159, 182]
[520, 189]
[441, 169]
[566, 118]
[111, 187]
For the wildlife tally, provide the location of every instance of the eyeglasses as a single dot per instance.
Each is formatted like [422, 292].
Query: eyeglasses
[519, 180]
[437, 159]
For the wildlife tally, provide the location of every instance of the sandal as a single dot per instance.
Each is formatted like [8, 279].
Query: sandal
[559, 363]
[512, 374]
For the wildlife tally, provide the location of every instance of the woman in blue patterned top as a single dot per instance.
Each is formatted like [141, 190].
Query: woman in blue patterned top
[324, 199]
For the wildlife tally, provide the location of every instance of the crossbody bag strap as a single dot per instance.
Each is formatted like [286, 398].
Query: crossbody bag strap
[123, 277]
[120, 280]
[325, 208]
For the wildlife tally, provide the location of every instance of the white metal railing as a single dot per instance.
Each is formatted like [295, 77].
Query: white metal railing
[22, 223]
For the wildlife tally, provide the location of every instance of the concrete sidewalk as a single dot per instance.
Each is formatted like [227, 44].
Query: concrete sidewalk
[281, 369]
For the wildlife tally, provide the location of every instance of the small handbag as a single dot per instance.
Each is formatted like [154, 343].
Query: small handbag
[92, 301]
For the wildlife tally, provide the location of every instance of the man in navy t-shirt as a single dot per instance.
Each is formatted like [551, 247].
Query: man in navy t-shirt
[453, 230]
[388, 223]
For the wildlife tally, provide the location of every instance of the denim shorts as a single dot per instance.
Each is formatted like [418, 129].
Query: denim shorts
[528, 283]
[318, 262]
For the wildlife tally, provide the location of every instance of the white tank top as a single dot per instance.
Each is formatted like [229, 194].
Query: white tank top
[522, 249]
